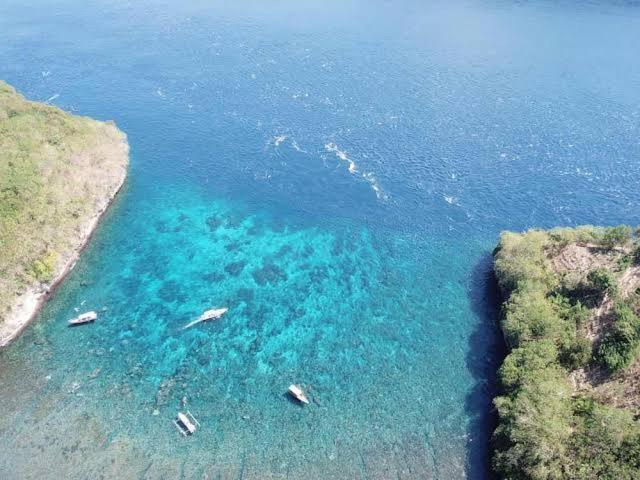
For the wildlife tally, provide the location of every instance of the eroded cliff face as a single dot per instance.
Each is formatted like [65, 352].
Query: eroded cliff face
[571, 319]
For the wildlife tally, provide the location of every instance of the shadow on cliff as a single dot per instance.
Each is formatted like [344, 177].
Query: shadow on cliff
[485, 353]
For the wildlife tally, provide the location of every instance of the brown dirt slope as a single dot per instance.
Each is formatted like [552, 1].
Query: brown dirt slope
[572, 264]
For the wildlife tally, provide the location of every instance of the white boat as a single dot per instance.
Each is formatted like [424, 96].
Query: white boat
[86, 317]
[296, 392]
[213, 314]
[186, 423]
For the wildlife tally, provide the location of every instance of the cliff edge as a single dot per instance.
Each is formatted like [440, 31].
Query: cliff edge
[58, 174]
[570, 395]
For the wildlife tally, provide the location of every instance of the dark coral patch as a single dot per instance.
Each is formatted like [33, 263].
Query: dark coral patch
[161, 227]
[230, 247]
[234, 220]
[283, 251]
[270, 273]
[235, 268]
[213, 277]
[129, 286]
[256, 229]
[319, 273]
[213, 223]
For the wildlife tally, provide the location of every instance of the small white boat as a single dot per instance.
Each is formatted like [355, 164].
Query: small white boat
[213, 314]
[86, 317]
[296, 392]
[186, 423]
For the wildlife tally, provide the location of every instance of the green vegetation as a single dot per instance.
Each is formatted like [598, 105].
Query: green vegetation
[43, 268]
[546, 429]
[56, 169]
[606, 443]
[620, 345]
[616, 236]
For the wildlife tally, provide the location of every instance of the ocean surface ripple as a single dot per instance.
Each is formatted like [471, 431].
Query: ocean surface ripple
[335, 173]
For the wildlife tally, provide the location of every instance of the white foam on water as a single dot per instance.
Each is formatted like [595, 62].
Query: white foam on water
[264, 176]
[353, 169]
[583, 172]
[450, 199]
[296, 147]
[45, 74]
[342, 155]
[278, 139]
[375, 186]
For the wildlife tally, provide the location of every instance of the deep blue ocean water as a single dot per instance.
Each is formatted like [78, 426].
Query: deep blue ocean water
[337, 174]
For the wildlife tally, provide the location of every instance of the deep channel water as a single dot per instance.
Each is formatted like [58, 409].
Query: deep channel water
[337, 174]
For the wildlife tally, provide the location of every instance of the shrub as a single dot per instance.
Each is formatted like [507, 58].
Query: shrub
[601, 281]
[575, 352]
[619, 346]
[530, 315]
[521, 258]
[605, 444]
[525, 360]
[574, 349]
[574, 314]
[42, 269]
[535, 427]
[561, 237]
[616, 236]
[626, 261]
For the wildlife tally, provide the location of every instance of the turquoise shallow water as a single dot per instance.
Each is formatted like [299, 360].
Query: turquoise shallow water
[335, 173]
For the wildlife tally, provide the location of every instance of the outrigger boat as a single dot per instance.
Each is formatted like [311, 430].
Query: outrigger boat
[87, 317]
[213, 314]
[296, 392]
[186, 423]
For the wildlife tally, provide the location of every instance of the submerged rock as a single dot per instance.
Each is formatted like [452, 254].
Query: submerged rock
[213, 277]
[164, 391]
[74, 387]
[235, 268]
[270, 273]
[213, 223]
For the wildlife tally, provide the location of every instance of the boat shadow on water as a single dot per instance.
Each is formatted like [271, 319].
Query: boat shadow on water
[484, 355]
